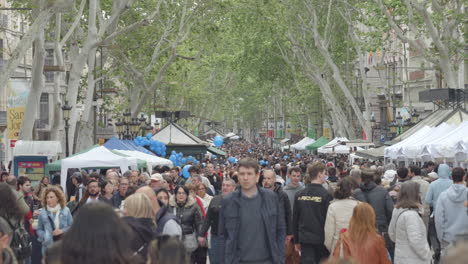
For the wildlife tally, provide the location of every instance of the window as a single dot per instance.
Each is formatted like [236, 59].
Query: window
[49, 61]
[44, 110]
[49, 58]
[3, 21]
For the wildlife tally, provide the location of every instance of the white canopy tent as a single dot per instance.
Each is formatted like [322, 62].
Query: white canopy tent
[334, 146]
[448, 145]
[150, 160]
[301, 145]
[392, 151]
[99, 157]
[413, 149]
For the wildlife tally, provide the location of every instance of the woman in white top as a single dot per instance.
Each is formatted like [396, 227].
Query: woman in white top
[407, 228]
[339, 212]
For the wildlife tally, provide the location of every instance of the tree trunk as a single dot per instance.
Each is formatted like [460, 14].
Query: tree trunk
[37, 85]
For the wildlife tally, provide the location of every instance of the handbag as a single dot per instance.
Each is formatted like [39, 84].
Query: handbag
[190, 242]
[57, 237]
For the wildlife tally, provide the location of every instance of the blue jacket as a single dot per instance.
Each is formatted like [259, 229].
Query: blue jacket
[451, 218]
[438, 186]
[273, 220]
[44, 228]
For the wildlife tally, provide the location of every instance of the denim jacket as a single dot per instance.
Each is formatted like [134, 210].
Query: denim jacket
[44, 228]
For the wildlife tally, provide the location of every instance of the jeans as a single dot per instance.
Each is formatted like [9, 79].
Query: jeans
[217, 244]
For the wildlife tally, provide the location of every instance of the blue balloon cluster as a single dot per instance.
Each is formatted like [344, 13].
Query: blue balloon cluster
[177, 158]
[156, 146]
[218, 141]
[232, 160]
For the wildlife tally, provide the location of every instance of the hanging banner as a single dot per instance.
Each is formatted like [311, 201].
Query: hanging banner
[17, 97]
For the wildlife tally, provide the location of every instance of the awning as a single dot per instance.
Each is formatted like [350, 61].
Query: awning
[216, 151]
[284, 140]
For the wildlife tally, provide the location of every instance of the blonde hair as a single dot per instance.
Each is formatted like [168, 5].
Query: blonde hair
[60, 196]
[362, 223]
[138, 205]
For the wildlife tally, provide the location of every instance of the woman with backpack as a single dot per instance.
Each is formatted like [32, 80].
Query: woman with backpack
[407, 228]
[54, 219]
[13, 209]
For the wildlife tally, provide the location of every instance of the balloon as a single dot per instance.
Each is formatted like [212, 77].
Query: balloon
[218, 141]
[232, 160]
[185, 171]
[196, 162]
[285, 157]
[298, 155]
[250, 150]
[184, 160]
[213, 157]
[149, 135]
[190, 158]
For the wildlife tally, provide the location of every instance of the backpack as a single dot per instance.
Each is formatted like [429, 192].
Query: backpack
[20, 242]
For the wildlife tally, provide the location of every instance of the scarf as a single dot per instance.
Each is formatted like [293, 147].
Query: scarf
[55, 210]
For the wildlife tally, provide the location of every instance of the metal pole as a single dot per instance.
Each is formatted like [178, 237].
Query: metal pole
[66, 138]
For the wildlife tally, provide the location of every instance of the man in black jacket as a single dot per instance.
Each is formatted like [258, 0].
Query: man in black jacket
[269, 182]
[379, 198]
[309, 213]
[212, 220]
[251, 221]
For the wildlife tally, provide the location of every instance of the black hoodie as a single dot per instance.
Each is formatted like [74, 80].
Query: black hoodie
[309, 213]
[144, 231]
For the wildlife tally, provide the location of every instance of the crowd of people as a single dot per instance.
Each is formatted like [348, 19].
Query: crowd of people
[267, 207]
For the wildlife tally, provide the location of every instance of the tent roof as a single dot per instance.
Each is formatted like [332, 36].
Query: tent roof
[174, 134]
[303, 143]
[146, 158]
[42, 148]
[373, 154]
[117, 144]
[216, 151]
[99, 157]
[359, 143]
[450, 116]
[317, 144]
[212, 131]
[55, 166]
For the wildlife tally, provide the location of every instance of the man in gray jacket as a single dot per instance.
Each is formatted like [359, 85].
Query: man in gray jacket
[251, 221]
[451, 218]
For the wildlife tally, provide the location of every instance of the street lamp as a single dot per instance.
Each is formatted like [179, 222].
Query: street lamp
[120, 128]
[127, 118]
[142, 121]
[372, 126]
[66, 108]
